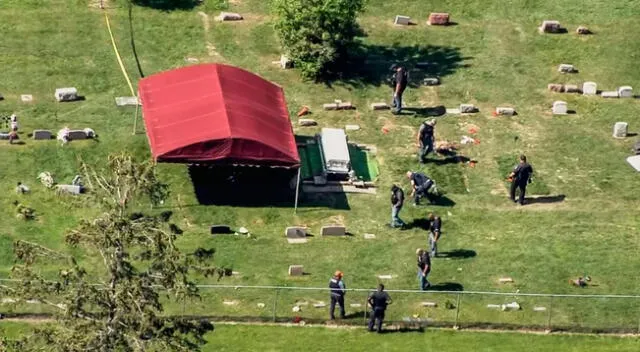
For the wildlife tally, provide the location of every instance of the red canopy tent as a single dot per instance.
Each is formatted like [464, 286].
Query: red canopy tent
[215, 113]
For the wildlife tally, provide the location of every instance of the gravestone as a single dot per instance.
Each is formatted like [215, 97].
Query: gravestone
[345, 106]
[295, 232]
[66, 94]
[77, 134]
[589, 88]
[379, 106]
[26, 98]
[41, 134]
[634, 161]
[468, 108]
[352, 127]
[438, 19]
[330, 106]
[221, 230]
[385, 277]
[71, 189]
[583, 30]
[192, 60]
[333, 231]
[369, 236]
[296, 270]
[550, 27]
[559, 108]
[431, 81]
[610, 94]
[229, 16]
[505, 111]
[620, 129]
[285, 62]
[571, 88]
[307, 122]
[127, 101]
[555, 87]
[429, 304]
[402, 20]
[566, 68]
[625, 92]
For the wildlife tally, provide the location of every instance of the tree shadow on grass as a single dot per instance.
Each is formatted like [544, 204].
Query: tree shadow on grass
[371, 64]
[168, 5]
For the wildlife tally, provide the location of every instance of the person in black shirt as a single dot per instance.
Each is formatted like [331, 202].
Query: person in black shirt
[520, 177]
[338, 290]
[425, 139]
[400, 80]
[420, 185]
[435, 225]
[424, 268]
[378, 301]
[397, 200]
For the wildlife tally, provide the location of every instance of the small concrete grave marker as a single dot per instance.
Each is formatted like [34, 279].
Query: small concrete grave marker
[369, 236]
[42, 134]
[385, 277]
[26, 98]
[589, 88]
[261, 305]
[620, 129]
[429, 304]
[352, 127]
[571, 88]
[297, 240]
[127, 101]
[566, 68]
[295, 232]
[453, 111]
[468, 108]
[610, 94]
[539, 309]
[285, 62]
[307, 122]
[550, 27]
[333, 231]
[66, 94]
[191, 60]
[229, 16]
[379, 106]
[230, 303]
[504, 280]
[583, 30]
[296, 270]
[402, 20]
[559, 108]
[431, 81]
[438, 19]
[625, 92]
[505, 111]
[355, 305]
[319, 305]
[71, 189]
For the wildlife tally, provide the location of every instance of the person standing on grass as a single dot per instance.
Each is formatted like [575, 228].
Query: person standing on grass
[378, 300]
[400, 81]
[520, 177]
[424, 268]
[435, 225]
[426, 140]
[397, 200]
[338, 290]
[420, 185]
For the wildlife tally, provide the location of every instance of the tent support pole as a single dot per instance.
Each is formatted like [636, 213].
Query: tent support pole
[135, 118]
[295, 208]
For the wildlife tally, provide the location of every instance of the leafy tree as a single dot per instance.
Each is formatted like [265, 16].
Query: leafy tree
[316, 33]
[116, 307]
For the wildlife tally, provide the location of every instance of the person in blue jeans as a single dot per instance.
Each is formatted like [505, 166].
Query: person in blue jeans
[420, 186]
[399, 81]
[397, 200]
[435, 226]
[424, 268]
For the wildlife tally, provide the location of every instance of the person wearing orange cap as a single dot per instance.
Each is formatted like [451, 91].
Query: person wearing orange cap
[338, 290]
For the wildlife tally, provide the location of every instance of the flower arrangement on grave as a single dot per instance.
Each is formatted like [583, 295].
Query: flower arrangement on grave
[46, 179]
[23, 212]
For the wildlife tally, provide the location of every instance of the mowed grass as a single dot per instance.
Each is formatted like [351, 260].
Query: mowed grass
[494, 56]
[279, 338]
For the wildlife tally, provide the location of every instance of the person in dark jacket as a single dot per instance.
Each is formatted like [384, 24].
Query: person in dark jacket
[424, 268]
[378, 300]
[520, 177]
[399, 81]
[338, 290]
[426, 140]
[435, 226]
[397, 200]
[420, 185]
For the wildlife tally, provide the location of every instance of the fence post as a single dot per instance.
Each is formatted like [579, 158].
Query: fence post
[275, 305]
[549, 314]
[455, 324]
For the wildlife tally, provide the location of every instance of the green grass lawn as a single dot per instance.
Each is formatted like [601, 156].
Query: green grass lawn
[494, 56]
[272, 338]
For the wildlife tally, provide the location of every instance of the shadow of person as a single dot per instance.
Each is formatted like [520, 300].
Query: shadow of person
[457, 254]
[447, 286]
[545, 199]
[433, 111]
[451, 160]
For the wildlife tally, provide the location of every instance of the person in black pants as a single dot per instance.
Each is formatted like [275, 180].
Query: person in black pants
[378, 301]
[338, 290]
[399, 82]
[520, 177]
